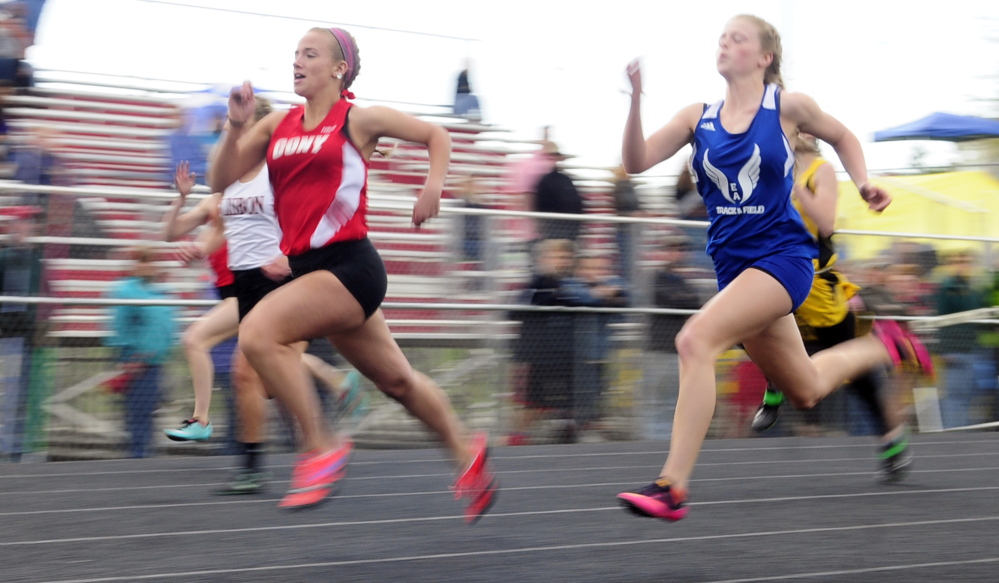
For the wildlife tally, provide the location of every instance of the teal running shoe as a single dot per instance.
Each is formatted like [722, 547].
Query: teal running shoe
[190, 430]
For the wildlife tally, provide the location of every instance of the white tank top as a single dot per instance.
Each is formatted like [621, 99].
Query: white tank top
[251, 228]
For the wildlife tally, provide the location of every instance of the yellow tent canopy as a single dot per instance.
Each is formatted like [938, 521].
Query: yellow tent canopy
[951, 203]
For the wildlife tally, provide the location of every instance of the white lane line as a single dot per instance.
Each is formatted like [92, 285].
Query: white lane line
[781, 499]
[505, 489]
[500, 473]
[886, 568]
[535, 549]
[494, 457]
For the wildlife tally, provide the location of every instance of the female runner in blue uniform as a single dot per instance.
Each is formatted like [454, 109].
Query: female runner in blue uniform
[742, 160]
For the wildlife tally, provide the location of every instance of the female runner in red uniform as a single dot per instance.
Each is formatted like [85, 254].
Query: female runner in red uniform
[317, 155]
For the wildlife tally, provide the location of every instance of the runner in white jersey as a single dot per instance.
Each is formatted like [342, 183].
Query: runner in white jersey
[250, 227]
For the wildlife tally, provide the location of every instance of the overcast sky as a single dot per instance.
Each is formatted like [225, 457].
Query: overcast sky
[872, 64]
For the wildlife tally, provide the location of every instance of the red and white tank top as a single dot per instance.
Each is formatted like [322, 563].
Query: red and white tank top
[320, 182]
[219, 262]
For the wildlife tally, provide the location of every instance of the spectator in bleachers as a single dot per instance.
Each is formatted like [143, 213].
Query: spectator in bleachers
[690, 207]
[556, 193]
[989, 337]
[36, 162]
[466, 103]
[6, 167]
[543, 352]
[185, 144]
[22, 273]
[29, 12]
[472, 226]
[593, 285]
[968, 372]
[671, 290]
[13, 42]
[626, 204]
[892, 290]
[144, 337]
[913, 295]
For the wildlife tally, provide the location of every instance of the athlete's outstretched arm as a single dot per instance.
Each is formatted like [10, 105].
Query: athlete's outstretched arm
[820, 205]
[639, 154]
[369, 124]
[809, 117]
[214, 237]
[240, 149]
[177, 224]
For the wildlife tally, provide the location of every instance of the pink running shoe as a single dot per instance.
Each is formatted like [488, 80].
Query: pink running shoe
[315, 475]
[657, 500]
[903, 346]
[478, 482]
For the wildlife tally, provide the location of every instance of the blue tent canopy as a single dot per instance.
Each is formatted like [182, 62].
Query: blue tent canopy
[942, 126]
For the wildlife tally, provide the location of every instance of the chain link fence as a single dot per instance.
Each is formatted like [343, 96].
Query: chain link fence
[538, 341]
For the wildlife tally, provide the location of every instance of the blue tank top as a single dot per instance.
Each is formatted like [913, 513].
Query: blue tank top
[745, 180]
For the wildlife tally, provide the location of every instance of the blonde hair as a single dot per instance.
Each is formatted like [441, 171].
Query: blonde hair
[339, 56]
[263, 108]
[769, 43]
[808, 145]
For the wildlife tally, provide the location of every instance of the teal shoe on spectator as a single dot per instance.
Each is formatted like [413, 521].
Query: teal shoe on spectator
[190, 430]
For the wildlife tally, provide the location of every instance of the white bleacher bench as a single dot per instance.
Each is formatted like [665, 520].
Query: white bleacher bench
[82, 128]
[420, 168]
[103, 145]
[38, 90]
[126, 225]
[416, 237]
[111, 180]
[29, 112]
[133, 159]
[123, 177]
[56, 102]
[68, 286]
[420, 286]
[99, 205]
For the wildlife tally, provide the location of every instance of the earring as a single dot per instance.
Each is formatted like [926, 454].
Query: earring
[339, 75]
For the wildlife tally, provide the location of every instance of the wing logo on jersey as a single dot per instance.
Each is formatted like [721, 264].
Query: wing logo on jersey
[749, 177]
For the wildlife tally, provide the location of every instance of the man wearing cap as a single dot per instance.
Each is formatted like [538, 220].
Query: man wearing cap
[555, 193]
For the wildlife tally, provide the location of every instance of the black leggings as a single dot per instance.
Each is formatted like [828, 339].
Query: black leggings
[866, 386]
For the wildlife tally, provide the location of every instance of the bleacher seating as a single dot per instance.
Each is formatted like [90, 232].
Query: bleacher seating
[117, 141]
[114, 137]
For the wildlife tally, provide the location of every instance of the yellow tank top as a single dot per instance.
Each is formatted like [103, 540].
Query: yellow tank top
[807, 179]
[826, 305]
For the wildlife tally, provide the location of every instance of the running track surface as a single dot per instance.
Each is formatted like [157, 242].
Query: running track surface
[782, 509]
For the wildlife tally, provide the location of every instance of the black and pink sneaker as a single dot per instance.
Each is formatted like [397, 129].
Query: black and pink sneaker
[660, 499]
